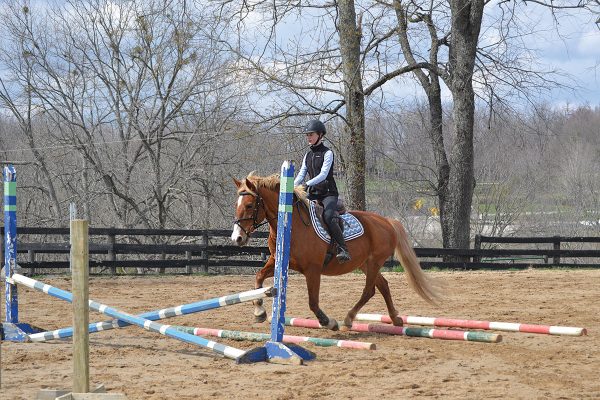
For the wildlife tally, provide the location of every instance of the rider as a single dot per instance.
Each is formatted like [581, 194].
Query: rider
[318, 163]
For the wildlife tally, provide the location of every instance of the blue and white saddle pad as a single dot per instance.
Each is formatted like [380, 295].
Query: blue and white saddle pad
[352, 226]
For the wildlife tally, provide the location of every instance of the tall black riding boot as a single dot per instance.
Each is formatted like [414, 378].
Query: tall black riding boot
[336, 234]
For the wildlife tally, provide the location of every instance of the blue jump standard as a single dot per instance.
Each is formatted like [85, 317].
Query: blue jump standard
[11, 328]
[274, 350]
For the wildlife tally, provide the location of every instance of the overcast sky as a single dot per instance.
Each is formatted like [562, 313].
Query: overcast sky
[575, 50]
[568, 42]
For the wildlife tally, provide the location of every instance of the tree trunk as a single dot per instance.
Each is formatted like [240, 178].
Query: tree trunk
[431, 85]
[350, 35]
[466, 23]
[436, 135]
[455, 210]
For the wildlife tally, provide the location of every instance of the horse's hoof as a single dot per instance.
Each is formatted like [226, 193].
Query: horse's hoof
[344, 328]
[333, 325]
[397, 321]
[348, 322]
[260, 318]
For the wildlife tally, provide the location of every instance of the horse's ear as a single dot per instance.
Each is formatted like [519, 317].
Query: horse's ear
[237, 183]
[250, 185]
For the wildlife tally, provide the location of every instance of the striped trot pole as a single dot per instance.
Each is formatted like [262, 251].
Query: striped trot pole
[445, 334]
[259, 337]
[184, 309]
[167, 330]
[474, 324]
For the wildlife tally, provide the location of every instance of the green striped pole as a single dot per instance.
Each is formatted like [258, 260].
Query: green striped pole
[445, 334]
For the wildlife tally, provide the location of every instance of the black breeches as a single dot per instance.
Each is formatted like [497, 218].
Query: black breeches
[331, 217]
[329, 208]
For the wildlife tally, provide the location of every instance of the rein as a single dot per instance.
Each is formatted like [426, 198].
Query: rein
[298, 204]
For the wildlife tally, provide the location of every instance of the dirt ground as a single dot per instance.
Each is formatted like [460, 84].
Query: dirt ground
[145, 365]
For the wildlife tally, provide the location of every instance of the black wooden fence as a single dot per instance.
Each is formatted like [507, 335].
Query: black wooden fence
[115, 250]
[111, 249]
[519, 253]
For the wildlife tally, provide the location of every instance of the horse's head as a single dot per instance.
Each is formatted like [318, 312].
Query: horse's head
[249, 213]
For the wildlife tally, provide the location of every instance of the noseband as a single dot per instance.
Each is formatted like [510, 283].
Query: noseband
[255, 225]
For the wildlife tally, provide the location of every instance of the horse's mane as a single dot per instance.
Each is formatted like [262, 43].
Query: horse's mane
[271, 182]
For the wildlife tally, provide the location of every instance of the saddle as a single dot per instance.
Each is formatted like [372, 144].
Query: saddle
[340, 208]
[346, 220]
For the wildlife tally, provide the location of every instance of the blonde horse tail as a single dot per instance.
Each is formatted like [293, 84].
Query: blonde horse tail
[417, 280]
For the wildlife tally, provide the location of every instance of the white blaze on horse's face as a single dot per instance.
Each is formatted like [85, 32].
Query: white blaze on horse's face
[239, 236]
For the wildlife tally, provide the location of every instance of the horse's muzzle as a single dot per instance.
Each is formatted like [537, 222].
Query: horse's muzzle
[238, 236]
[240, 241]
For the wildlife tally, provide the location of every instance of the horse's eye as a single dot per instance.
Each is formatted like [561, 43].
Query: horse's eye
[248, 206]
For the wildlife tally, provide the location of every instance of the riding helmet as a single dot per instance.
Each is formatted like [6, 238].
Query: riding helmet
[314, 125]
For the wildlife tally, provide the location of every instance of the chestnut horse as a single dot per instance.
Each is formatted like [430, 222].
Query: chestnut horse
[258, 203]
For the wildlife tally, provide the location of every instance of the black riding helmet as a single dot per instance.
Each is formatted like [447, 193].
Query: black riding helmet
[314, 125]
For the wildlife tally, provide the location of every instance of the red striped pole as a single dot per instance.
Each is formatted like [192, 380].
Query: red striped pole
[474, 324]
[445, 334]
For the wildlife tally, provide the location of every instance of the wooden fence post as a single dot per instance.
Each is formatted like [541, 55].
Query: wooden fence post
[163, 256]
[204, 254]
[80, 274]
[556, 259]
[31, 259]
[188, 256]
[477, 246]
[112, 255]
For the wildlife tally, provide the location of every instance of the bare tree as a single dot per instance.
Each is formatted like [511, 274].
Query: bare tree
[466, 63]
[16, 95]
[324, 70]
[138, 91]
[350, 52]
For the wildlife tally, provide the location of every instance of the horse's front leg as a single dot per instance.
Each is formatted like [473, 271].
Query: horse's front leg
[313, 284]
[260, 314]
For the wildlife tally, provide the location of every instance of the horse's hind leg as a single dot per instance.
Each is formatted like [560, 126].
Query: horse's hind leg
[369, 291]
[313, 284]
[384, 289]
[260, 314]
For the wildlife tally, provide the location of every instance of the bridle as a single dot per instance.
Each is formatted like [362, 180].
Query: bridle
[255, 224]
[257, 204]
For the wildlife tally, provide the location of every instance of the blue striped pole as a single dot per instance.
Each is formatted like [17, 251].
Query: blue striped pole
[10, 242]
[184, 309]
[275, 350]
[167, 330]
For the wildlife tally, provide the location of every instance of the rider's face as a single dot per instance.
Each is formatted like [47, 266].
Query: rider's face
[312, 137]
